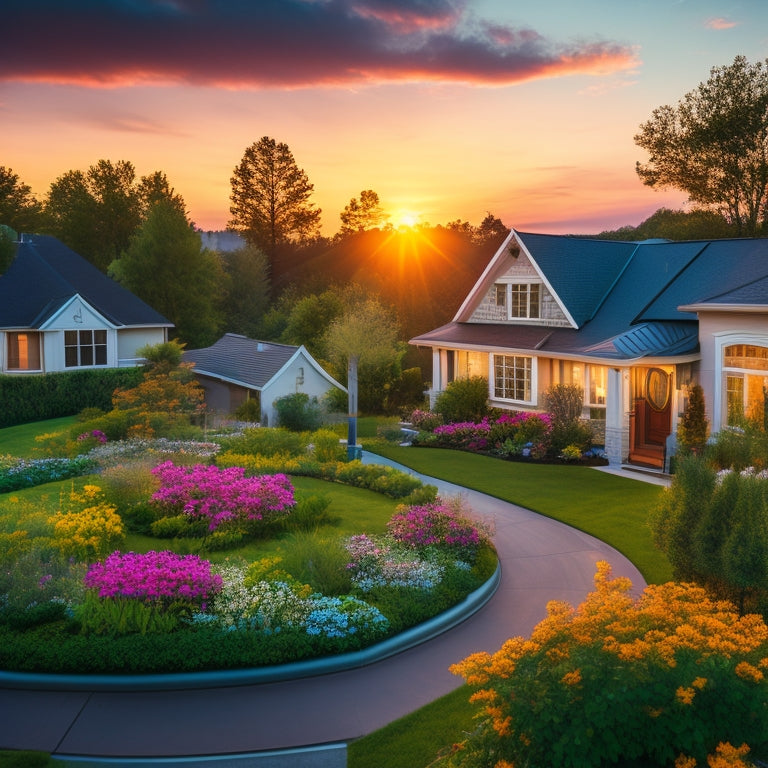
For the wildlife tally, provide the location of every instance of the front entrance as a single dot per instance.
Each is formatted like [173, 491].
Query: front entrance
[650, 419]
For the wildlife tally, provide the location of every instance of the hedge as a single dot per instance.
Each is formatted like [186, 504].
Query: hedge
[35, 397]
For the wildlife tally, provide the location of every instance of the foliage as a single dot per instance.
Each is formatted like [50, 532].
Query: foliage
[166, 266]
[712, 145]
[249, 410]
[425, 421]
[665, 677]
[222, 497]
[362, 214]
[446, 524]
[713, 527]
[144, 593]
[564, 404]
[667, 224]
[97, 212]
[86, 527]
[318, 560]
[271, 198]
[692, 429]
[463, 400]
[26, 473]
[298, 412]
[19, 209]
[246, 290]
[51, 395]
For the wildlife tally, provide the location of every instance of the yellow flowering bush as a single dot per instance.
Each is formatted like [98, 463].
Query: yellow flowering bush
[87, 527]
[670, 678]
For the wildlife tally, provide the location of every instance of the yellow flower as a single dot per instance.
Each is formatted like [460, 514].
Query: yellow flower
[746, 671]
[685, 695]
[728, 756]
[699, 682]
[571, 678]
[683, 761]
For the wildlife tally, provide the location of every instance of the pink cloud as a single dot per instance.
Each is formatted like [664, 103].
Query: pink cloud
[281, 43]
[721, 23]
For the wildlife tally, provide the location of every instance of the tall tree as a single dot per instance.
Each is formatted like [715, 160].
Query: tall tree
[360, 215]
[714, 145]
[246, 293]
[490, 230]
[19, 209]
[154, 188]
[270, 198]
[167, 267]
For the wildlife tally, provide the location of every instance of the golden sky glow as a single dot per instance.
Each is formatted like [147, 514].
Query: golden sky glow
[448, 109]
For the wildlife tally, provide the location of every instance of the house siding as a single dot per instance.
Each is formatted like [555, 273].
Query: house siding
[550, 312]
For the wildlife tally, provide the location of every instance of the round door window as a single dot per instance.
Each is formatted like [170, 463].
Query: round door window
[657, 389]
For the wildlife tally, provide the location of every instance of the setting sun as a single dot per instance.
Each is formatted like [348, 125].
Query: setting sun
[405, 219]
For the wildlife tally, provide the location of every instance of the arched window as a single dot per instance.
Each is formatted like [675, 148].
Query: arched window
[745, 368]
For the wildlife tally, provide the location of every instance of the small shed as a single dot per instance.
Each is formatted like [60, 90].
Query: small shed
[236, 367]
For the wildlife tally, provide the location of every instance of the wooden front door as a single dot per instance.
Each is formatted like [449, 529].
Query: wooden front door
[651, 419]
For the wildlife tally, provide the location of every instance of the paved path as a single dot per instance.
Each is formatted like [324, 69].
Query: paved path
[541, 560]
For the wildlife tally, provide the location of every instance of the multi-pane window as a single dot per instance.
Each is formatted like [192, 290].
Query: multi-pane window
[597, 380]
[525, 300]
[23, 351]
[746, 382]
[83, 348]
[512, 379]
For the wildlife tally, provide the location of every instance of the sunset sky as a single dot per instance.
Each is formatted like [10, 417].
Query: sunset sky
[448, 109]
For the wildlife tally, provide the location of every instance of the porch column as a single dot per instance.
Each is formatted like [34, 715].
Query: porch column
[617, 415]
[437, 377]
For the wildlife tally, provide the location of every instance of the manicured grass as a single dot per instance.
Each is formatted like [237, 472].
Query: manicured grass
[20, 440]
[614, 509]
[414, 741]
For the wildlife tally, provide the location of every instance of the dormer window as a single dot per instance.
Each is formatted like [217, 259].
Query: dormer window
[525, 300]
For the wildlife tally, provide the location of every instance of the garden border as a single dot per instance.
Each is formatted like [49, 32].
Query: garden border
[421, 633]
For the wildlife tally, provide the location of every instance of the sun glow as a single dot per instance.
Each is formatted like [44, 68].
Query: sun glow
[404, 219]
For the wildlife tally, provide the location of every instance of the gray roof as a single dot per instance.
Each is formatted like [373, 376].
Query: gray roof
[628, 300]
[240, 359]
[45, 274]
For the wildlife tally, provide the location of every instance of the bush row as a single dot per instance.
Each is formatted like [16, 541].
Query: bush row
[52, 395]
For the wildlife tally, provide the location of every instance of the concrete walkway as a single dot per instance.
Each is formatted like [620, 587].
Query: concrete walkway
[541, 560]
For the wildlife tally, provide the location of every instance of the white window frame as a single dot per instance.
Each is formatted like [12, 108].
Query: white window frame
[509, 285]
[81, 345]
[533, 382]
[720, 398]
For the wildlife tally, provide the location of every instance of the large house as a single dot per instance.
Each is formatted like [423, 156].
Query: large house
[58, 313]
[635, 325]
[237, 368]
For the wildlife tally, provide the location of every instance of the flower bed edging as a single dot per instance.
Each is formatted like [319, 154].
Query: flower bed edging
[277, 673]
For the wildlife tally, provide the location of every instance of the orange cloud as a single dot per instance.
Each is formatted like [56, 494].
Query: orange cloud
[721, 23]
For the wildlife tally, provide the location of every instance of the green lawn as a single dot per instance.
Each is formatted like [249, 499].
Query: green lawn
[612, 508]
[20, 440]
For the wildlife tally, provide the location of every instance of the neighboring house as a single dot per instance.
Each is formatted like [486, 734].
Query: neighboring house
[635, 325]
[236, 367]
[58, 313]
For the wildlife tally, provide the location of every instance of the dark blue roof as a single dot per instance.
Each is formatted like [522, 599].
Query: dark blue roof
[45, 274]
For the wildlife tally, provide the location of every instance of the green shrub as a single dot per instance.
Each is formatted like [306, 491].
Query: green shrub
[249, 411]
[298, 412]
[267, 441]
[319, 561]
[693, 427]
[327, 446]
[310, 513]
[463, 400]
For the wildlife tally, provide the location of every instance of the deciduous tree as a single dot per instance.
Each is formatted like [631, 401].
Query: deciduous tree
[360, 215]
[19, 209]
[271, 198]
[713, 145]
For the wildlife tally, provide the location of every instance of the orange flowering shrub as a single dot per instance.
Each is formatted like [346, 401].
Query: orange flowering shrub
[670, 678]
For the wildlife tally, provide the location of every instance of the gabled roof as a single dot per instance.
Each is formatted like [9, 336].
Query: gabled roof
[627, 300]
[45, 274]
[249, 362]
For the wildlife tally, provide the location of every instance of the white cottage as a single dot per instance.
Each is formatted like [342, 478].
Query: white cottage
[635, 325]
[236, 368]
[58, 312]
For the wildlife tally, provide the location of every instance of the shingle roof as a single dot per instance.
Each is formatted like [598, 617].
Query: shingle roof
[629, 299]
[240, 359]
[45, 274]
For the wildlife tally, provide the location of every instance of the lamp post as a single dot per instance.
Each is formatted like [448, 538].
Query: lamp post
[352, 406]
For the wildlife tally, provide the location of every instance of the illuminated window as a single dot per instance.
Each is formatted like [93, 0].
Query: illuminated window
[513, 377]
[746, 382]
[525, 300]
[23, 351]
[85, 348]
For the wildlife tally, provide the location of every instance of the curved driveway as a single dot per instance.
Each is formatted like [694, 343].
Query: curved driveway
[541, 560]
